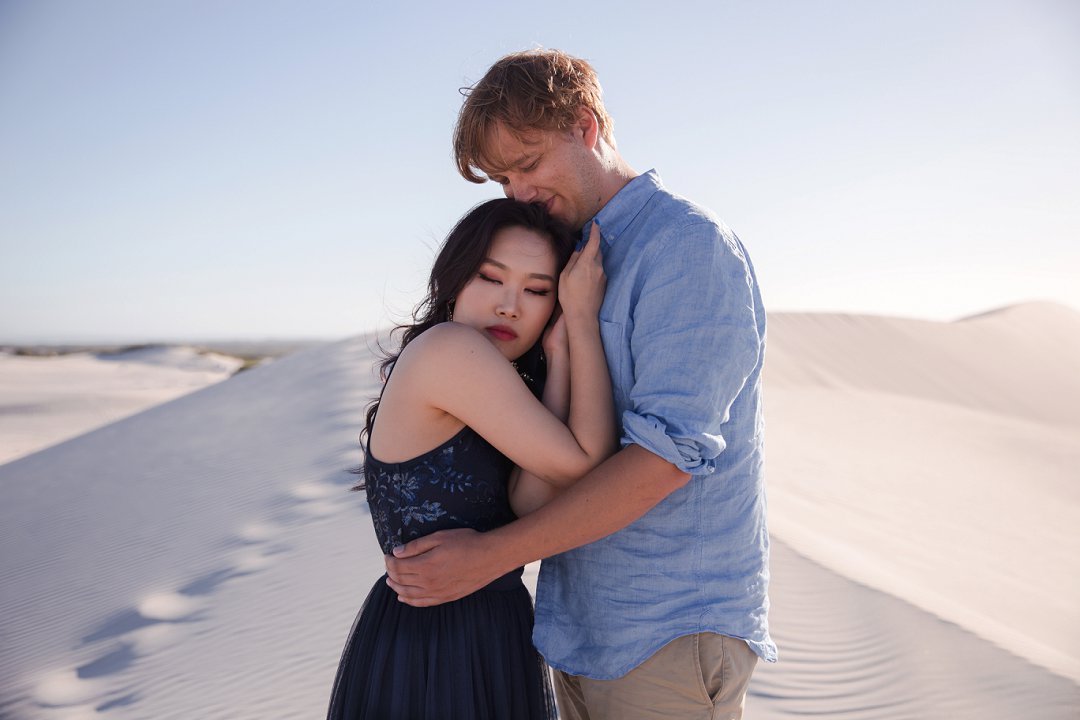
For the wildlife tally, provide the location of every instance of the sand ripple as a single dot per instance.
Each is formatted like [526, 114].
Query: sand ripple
[847, 651]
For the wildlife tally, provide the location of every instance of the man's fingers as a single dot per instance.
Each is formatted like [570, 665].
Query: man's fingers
[404, 590]
[403, 569]
[420, 602]
[416, 547]
[418, 571]
[416, 596]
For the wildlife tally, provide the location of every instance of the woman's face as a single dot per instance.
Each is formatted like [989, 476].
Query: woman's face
[512, 295]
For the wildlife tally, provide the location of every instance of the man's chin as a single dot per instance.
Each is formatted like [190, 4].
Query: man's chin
[566, 220]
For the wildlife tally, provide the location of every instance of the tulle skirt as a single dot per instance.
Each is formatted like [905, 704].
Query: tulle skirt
[471, 659]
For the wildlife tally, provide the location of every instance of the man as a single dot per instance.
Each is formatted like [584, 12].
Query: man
[652, 597]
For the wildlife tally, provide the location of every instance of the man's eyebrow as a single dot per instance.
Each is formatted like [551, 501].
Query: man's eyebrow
[538, 276]
[523, 159]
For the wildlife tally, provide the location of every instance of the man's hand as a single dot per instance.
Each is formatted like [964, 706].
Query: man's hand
[441, 567]
[450, 564]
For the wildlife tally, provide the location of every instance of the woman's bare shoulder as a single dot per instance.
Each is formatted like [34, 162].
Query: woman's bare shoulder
[448, 337]
[446, 341]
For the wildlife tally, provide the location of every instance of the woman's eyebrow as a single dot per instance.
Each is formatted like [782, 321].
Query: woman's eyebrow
[539, 276]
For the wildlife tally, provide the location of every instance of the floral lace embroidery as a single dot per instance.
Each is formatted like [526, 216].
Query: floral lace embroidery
[462, 483]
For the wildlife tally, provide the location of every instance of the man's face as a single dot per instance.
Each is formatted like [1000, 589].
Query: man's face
[554, 168]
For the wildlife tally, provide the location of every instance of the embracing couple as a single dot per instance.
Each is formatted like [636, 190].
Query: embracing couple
[582, 385]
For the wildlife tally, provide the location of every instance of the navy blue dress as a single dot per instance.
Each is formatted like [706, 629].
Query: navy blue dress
[472, 658]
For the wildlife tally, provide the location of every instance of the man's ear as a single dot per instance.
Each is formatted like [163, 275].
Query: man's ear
[587, 127]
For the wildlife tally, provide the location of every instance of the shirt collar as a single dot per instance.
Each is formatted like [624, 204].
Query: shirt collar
[621, 209]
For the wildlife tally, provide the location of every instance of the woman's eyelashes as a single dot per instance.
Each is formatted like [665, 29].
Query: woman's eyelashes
[542, 292]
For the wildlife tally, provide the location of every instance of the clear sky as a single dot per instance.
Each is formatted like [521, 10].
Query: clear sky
[199, 169]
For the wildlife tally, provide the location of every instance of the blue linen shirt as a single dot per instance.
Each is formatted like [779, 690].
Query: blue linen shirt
[683, 328]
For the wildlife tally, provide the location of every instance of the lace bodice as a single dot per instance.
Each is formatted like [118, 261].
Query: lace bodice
[459, 484]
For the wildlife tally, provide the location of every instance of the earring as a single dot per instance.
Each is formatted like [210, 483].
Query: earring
[450, 311]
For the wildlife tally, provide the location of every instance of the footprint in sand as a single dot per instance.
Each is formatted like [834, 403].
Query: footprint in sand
[86, 691]
[252, 561]
[154, 638]
[119, 658]
[169, 606]
[317, 499]
[65, 688]
[79, 712]
[251, 558]
[256, 532]
[313, 491]
[156, 608]
[154, 624]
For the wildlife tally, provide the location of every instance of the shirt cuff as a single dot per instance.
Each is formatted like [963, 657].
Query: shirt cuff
[695, 454]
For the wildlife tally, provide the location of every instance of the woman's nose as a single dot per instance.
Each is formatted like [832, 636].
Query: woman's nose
[508, 305]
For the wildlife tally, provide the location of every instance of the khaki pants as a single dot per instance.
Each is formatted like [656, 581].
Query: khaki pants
[701, 676]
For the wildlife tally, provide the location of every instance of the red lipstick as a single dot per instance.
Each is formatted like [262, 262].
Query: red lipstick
[501, 332]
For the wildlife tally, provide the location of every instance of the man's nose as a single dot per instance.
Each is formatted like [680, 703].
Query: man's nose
[518, 189]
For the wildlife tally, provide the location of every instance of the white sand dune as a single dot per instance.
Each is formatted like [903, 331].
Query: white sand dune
[938, 462]
[1019, 361]
[46, 400]
[848, 651]
[203, 558]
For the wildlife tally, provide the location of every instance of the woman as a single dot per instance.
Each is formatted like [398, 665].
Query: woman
[461, 441]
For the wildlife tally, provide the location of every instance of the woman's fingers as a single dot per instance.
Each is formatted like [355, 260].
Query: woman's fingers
[592, 247]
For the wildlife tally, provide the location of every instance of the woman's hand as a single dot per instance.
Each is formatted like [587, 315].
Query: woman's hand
[582, 282]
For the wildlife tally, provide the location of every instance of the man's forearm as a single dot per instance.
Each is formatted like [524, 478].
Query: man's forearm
[613, 495]
[450, 564]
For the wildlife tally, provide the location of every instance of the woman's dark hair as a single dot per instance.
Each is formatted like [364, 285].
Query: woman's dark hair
[458, 261]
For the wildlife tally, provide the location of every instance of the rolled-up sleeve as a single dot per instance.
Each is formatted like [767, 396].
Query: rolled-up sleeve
[694, 341]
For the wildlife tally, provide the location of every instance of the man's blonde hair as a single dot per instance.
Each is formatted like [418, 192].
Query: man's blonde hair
[530, 90]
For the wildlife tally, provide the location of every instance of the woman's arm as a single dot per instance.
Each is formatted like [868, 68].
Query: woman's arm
[528, 492]
[592, 412]
[584, 379]
[454, 370]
